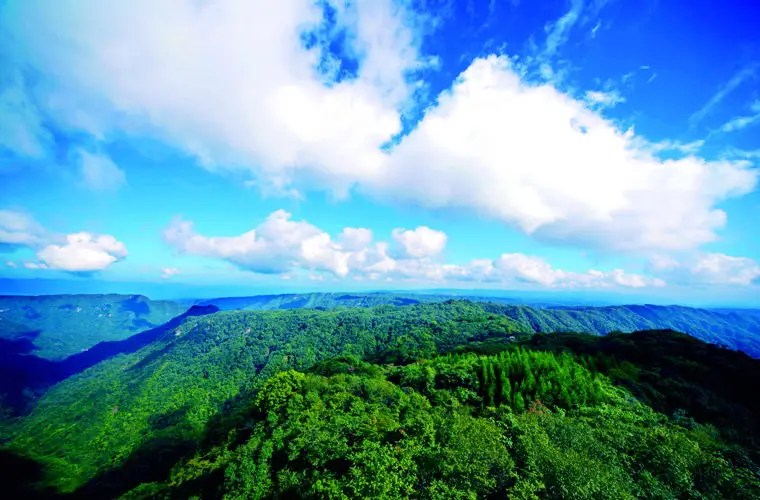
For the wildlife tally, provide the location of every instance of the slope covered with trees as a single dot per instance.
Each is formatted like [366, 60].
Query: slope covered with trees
[737, 329]
[447, 400]
[57, 326]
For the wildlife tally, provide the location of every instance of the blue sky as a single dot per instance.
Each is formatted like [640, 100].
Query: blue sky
[563, 145]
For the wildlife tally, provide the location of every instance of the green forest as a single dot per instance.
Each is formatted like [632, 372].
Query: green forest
[439, 400]
[59, 326]
[62, 325]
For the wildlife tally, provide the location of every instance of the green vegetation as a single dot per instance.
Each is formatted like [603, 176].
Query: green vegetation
[446, 400]
[735, 329]
[349, 429]
[62, 325]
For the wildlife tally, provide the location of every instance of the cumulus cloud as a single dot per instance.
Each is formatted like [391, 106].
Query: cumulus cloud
[284, 246]
[420, 242]
[724, 269]
[709, 269]
[542, 161]
[355, 238]
[99, 172]
[11, 264]
[233, 84]
[275, 246]
[535, 270]
[83, 252]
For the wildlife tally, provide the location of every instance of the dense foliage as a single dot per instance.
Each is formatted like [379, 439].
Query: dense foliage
[350, 429]
[445, 400]
[736, 329]
[57, 326]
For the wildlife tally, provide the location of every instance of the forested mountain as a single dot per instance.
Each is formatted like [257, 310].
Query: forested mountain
[66, 323]
[317, 300]
[445, 400]
[737, 329]
[57, 326]
[24, 377]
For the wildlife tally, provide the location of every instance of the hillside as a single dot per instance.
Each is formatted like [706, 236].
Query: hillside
[316, 300]
[62, 325]
[737, 329]
[188, 413]
[24, 374]
[58, 326]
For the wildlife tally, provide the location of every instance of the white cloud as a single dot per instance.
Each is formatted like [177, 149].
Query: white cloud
[11, 264]
[535, 270]
[168, 272]
[283, 246]
[739, 123]
[35, 265]
[420, 242]
[595, 29]
[19, 228]
[708, 268]
[716, 268]
[83, 252]
[604, 99]
[559, 32]
[685, 148]
[273, 247]
[99, 172]
[744, 74]
[231, 83]
[355, 238]
[536, 158]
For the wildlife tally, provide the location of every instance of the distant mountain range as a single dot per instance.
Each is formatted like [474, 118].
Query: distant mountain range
[58, 326]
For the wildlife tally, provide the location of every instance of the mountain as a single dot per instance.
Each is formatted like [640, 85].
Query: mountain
[23, 376]
[26, 375]
[442, 400]
[317, 300]
[189, 372]
[737, 329]
[58, 326]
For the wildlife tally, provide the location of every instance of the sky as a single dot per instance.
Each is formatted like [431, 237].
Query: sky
[601, 146]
